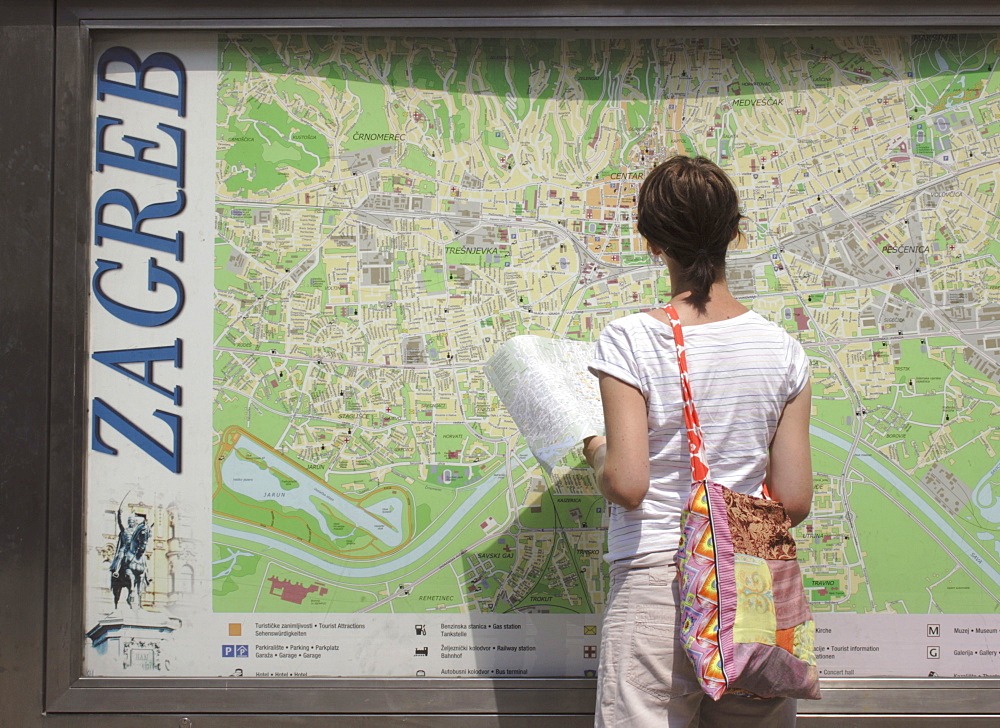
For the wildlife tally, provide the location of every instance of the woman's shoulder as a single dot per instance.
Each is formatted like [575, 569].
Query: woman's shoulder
[748, 326]
[639, 321]
[749, 331]
[739, 325]
[754, 331]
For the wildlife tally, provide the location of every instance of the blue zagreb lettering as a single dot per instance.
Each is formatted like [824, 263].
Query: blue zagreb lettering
[131, 141]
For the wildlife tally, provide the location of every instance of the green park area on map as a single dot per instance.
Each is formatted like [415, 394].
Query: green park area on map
[390, 210]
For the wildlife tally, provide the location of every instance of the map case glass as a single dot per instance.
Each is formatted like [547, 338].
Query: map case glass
[391, 209]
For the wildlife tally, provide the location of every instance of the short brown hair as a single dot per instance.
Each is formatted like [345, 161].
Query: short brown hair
[688, 208]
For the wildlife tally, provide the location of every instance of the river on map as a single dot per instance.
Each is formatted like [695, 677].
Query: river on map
[250, 479]
[989, 505]
[875, 463]
[428, 548]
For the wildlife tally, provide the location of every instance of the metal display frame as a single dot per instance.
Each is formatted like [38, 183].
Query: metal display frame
[44, 151]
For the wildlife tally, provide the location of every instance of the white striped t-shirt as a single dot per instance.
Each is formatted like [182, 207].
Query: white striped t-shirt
[742, 370]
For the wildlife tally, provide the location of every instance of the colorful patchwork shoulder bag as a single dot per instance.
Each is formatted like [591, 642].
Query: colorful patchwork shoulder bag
[745, 623]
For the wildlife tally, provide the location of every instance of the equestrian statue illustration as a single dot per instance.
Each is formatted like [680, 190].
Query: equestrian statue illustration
[128, 565]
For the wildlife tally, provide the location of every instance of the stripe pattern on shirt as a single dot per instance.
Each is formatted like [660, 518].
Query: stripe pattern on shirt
[742, 373]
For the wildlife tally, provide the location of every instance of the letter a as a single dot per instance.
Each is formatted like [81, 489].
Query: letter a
[118, 358]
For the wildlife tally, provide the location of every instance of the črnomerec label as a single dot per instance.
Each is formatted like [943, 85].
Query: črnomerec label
[384, 212]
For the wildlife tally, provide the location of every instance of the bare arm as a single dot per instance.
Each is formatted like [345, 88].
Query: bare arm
[622, 458]
[789, 471]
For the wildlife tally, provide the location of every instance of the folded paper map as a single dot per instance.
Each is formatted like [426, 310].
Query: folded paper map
[545, 385]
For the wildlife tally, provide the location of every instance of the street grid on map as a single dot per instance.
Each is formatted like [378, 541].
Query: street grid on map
[391, 210]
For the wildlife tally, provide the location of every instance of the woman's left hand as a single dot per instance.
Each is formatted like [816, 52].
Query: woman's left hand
[594, 448]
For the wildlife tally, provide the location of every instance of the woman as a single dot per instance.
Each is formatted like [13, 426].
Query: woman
[751, 386]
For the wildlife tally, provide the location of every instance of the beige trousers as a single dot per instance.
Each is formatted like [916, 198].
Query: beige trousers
[644, 679]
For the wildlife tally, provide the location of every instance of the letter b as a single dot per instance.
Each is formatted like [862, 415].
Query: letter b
[138, 91]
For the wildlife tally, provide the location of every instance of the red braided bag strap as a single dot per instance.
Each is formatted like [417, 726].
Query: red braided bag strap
[696, 443]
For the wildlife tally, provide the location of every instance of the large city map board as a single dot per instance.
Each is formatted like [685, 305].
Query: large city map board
[391, 209]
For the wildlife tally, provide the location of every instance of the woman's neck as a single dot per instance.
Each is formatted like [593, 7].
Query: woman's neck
[719, 306]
